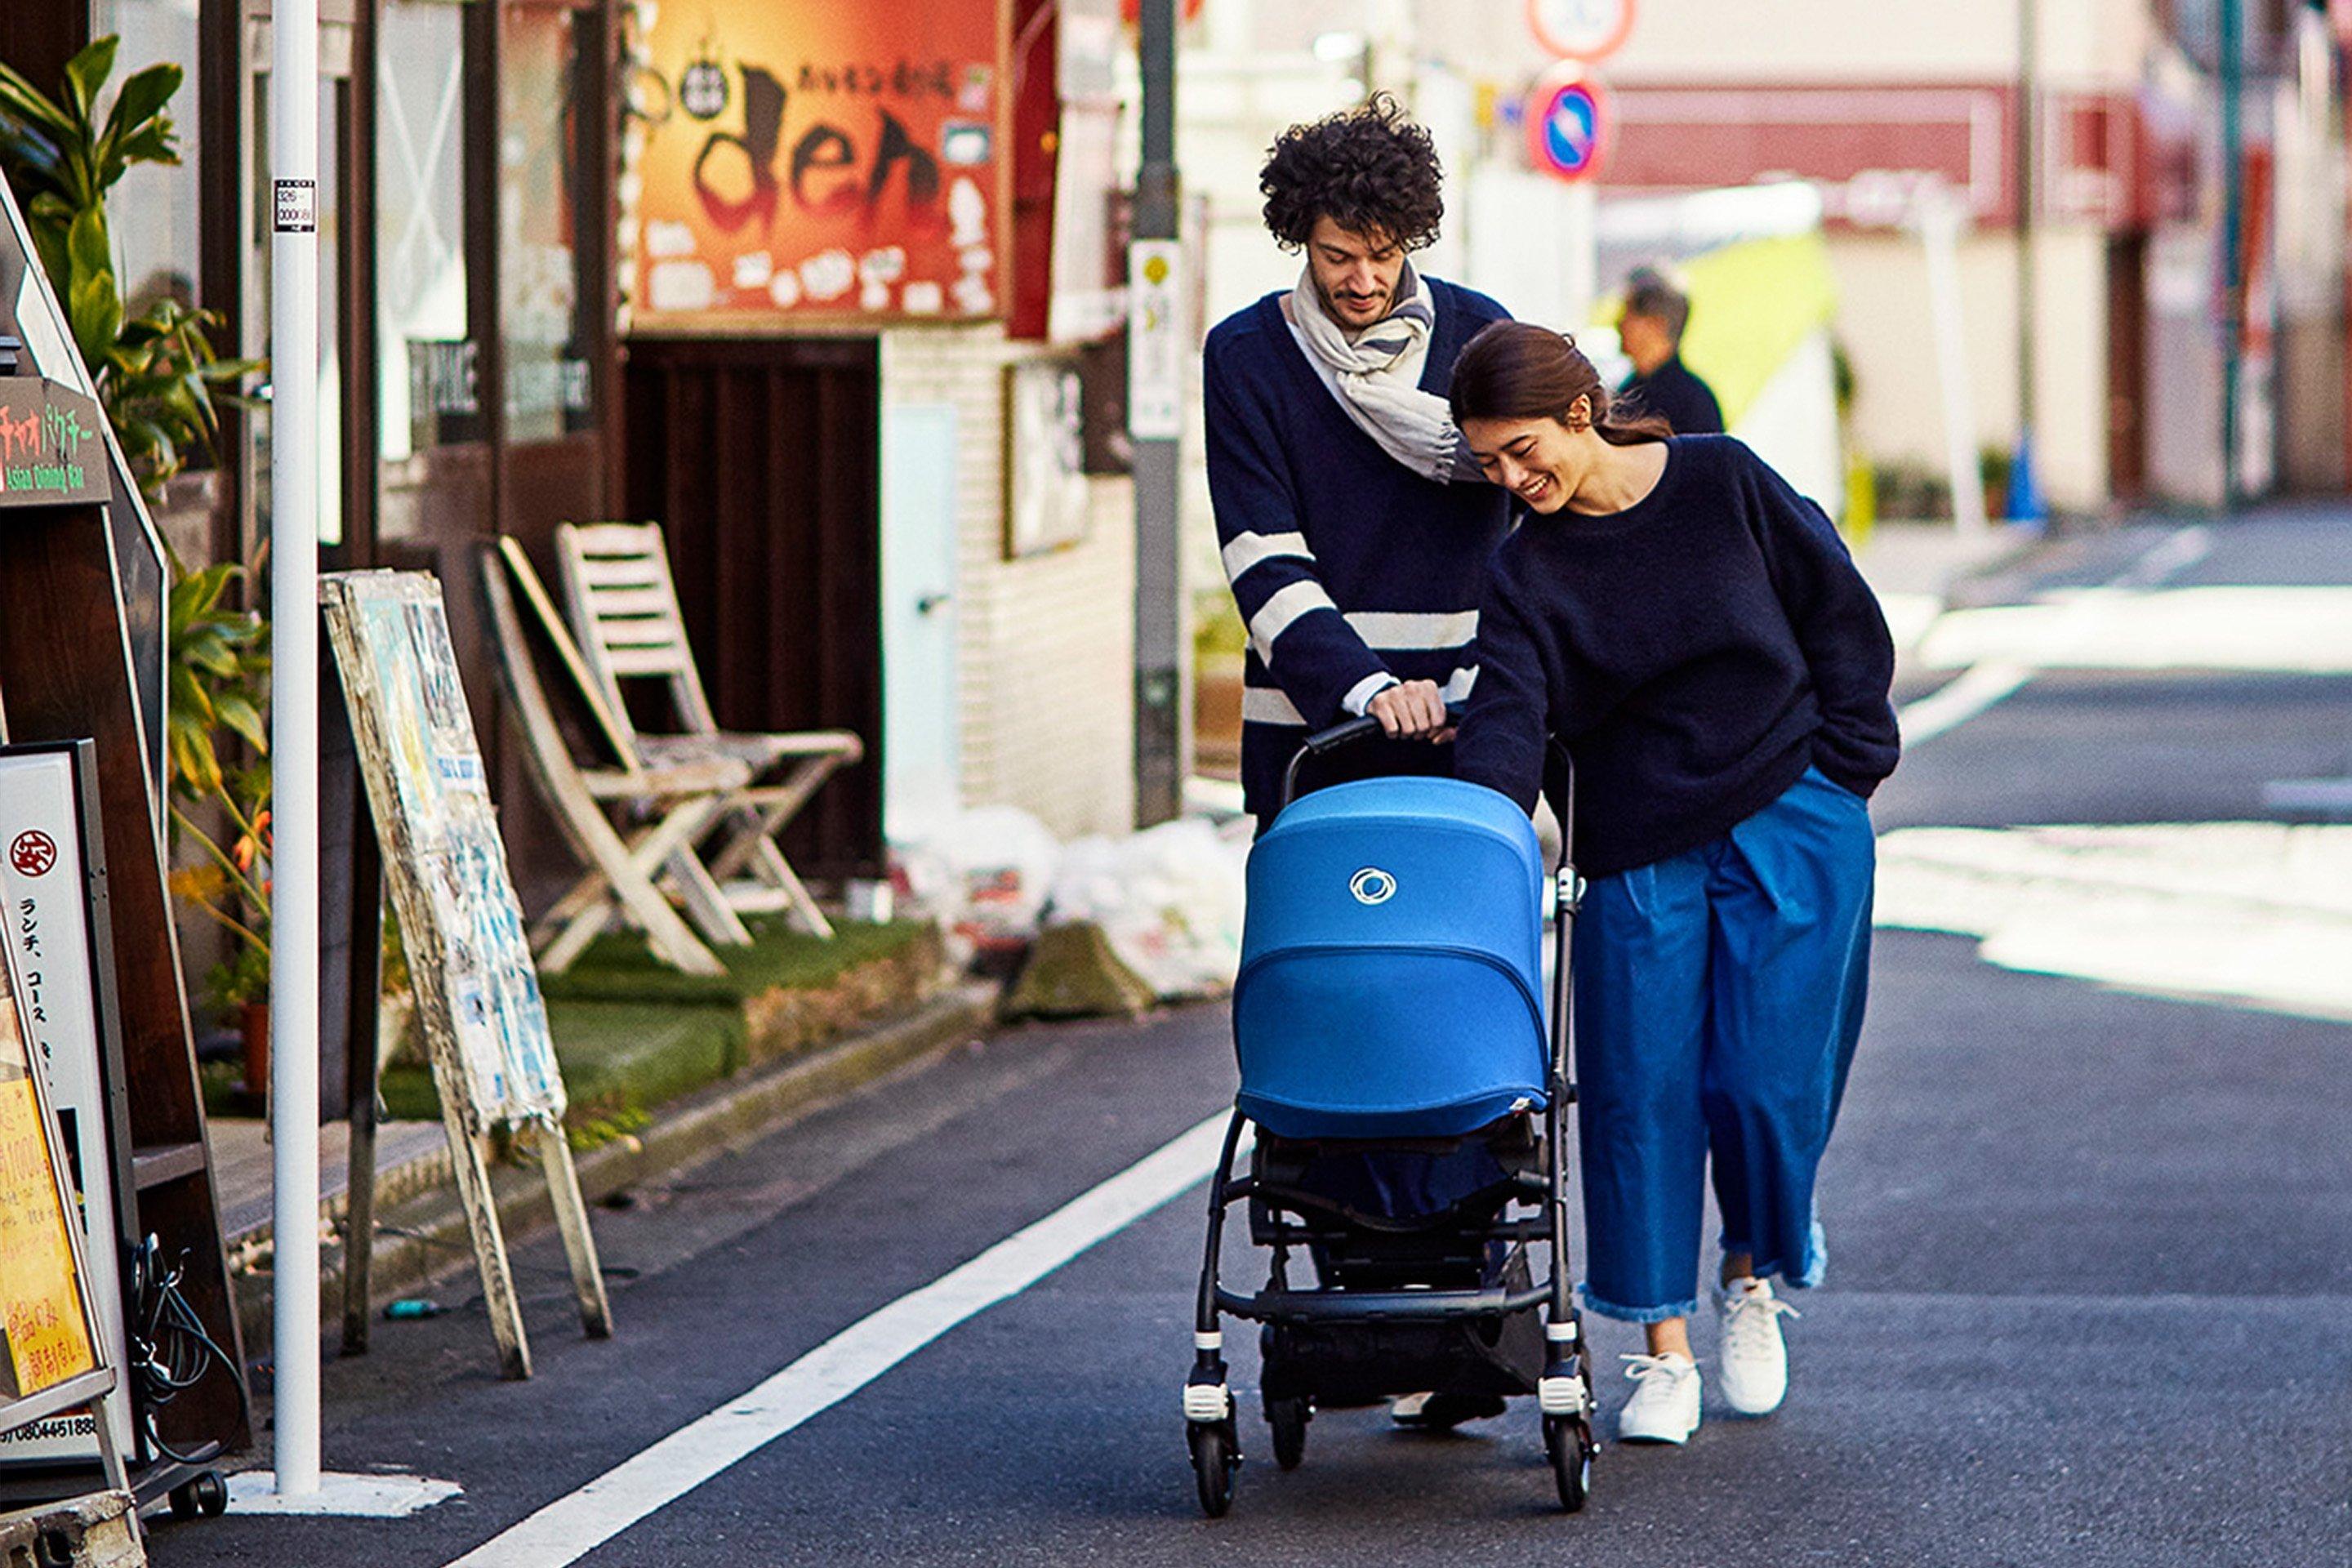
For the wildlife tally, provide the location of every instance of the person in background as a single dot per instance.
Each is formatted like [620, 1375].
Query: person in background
[1353, 526]
[1650, 328]
[1693, 632]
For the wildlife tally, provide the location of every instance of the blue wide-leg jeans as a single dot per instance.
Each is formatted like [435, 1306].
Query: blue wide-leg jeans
[1719, 1000]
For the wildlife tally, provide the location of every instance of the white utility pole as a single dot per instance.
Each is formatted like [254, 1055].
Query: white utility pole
[294, 733]
[1941, 217]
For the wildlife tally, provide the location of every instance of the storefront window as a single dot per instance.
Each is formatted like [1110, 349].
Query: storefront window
[154, 211]
[539, 205]
[425, 358]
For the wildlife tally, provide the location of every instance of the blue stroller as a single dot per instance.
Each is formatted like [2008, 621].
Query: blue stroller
[1410, 1107]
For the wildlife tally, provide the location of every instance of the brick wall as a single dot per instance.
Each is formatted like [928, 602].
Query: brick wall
[1047, 644]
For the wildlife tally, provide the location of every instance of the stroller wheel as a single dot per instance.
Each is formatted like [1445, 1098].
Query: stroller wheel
[1287, 1418]
[1215, 1456]
[1569, 1443]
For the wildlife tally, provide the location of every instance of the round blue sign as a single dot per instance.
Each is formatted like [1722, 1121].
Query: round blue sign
[1569, 130]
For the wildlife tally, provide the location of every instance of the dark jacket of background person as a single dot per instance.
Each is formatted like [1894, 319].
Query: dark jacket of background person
[1695, 653]
[1676, 395]
[1309, 507]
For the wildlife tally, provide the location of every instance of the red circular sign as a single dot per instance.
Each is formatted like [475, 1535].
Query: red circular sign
[1580, 29]
[1567, 122]
[33, 853]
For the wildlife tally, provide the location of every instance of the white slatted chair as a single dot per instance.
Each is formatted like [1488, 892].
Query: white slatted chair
[663, 810]
[623, 608]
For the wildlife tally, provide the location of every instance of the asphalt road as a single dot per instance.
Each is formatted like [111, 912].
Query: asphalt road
[2090, 1254]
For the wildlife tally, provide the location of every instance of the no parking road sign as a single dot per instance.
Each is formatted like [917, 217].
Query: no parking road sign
[1568, 123]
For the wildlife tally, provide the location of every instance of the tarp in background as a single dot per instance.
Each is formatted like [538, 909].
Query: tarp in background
[1763, 296]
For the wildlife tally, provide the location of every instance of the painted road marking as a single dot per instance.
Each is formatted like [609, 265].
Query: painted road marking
[2248, 914]
[2000, 648]
[572, 1526]
[1949, 706]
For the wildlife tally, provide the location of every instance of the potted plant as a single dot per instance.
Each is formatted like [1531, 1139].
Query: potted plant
[1992, 472]
[159, 380]
[156, 375]
[219, 677]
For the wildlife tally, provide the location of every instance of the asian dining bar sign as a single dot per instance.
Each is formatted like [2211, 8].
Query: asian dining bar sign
[843, 161]
[52, 446]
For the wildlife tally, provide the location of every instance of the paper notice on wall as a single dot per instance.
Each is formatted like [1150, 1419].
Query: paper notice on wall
[1155, 348]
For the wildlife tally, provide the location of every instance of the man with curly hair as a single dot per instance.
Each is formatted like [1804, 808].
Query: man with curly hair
[1354, 526]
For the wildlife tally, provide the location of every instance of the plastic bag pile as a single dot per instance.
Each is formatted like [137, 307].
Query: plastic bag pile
[1168, 900]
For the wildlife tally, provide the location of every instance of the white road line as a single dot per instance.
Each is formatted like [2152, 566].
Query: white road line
[2167, 558]
[1970, 693]
[572, 1526]
[1981, 685]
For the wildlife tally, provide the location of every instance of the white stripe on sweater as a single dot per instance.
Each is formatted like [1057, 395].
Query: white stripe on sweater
[1398, 631]
[1287, 604]
[1247, 549]
[1264, 705]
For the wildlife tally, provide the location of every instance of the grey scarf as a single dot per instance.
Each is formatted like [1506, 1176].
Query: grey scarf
[1378, 372]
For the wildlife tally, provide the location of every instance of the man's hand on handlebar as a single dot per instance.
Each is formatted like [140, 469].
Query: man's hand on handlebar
[1411, 710]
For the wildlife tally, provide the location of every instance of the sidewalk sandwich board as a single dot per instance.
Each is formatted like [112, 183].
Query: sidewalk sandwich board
[53, 874]
[478, 995]
[52, 1363]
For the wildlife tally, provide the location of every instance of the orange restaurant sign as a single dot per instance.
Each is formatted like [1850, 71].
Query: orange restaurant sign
[822, 159]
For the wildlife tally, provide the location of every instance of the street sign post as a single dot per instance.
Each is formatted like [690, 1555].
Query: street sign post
[1567, 121]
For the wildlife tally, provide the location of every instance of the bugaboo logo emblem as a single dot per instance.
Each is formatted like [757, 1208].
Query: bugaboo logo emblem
[1372, 886]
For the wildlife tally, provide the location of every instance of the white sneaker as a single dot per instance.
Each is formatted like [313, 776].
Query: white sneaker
[1664, 1406]
[1755, 1361]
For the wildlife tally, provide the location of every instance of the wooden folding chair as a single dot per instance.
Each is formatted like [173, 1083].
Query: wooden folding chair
[623, 608]
[673, 804]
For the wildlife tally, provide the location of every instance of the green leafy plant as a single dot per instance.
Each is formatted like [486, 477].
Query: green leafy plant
[157, 375]
[160, 383]
[220, 683]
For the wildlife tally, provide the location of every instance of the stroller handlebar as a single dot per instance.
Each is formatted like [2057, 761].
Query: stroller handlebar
[1323, 742]
[1353, 729]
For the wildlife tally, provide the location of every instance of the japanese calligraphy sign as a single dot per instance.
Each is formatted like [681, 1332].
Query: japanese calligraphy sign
[839, 162]
[45, 1337]
[46, 858]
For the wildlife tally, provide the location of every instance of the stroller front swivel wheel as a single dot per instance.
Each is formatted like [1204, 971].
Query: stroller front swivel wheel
[1286, 1420]
[1567, 1442]
[1216, 1454]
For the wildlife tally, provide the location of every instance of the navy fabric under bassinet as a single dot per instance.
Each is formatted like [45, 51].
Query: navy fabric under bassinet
[1391, 963]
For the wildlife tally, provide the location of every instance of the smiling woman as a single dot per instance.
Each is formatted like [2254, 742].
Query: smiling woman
[1691, 631]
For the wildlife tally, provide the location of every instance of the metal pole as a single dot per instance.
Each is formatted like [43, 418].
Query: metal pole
[1939, 215]
[294, 735]
[2233, 197]
[1159, 576]
[2029, 324]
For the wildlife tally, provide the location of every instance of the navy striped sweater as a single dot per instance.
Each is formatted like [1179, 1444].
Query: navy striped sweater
[1346, 564]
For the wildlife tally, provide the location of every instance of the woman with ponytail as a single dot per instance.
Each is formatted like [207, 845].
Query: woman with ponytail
[1693, 633]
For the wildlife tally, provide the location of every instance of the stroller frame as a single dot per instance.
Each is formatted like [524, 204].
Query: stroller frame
[1564, 1391]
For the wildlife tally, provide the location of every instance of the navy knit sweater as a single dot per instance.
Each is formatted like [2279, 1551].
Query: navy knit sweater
[1695, 653]
[1344, 563]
